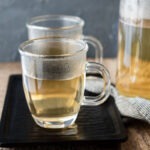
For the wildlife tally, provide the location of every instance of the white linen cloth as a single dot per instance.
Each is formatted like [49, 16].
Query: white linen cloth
[138, 108]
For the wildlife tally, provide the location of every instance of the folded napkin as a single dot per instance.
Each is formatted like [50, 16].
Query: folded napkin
[138, 108]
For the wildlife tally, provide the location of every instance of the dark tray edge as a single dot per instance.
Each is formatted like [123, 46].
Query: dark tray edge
[3, 142]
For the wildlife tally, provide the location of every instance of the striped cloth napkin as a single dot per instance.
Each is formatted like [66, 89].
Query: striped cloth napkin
[138, 108]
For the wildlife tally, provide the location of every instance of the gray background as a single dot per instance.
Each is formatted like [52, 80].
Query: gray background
[101, 17]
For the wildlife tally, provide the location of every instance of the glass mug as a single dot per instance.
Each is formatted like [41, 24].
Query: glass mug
[54, 80]
[62, 26]
[133, 75]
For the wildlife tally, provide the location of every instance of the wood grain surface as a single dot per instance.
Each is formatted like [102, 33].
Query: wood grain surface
[138, 131]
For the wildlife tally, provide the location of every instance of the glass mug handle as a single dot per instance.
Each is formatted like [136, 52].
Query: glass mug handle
[98, 47]
[93, 67]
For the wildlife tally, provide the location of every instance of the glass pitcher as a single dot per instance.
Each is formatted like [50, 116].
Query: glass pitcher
[133, 74]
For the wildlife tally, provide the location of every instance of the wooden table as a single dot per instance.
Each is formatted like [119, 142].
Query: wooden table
[138, 131]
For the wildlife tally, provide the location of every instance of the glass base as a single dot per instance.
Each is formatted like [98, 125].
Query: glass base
[55, 123]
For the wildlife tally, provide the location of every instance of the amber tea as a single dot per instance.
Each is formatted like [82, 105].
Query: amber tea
[133, 76]
[54, 100]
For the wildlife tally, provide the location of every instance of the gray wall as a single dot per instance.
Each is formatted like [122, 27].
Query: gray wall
[101, 17]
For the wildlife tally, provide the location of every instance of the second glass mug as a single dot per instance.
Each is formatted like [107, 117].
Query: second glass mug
[54, 83]
[62, 26]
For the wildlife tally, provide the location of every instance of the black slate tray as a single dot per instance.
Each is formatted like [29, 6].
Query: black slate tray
[100, 124]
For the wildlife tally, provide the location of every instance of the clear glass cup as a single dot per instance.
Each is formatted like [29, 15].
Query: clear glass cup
[54, 72]
[62, 26]
[133, 73]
